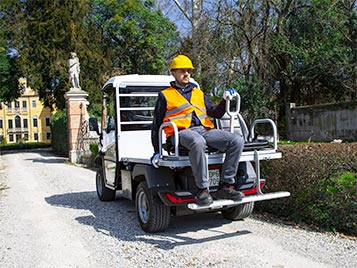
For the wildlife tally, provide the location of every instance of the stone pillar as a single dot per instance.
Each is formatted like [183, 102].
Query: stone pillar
[77, 117]
[289, 120]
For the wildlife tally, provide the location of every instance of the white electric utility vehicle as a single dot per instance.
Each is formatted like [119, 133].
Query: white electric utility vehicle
[123, 163]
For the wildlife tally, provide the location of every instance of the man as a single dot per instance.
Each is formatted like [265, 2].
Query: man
[186, 105]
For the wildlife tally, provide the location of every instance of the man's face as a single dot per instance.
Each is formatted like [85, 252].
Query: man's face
[182, 76]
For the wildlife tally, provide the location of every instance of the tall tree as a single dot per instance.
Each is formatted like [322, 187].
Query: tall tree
[349, 11]
[140, 36]
[193, 11]
[313, 52]
[44, 33]
[288, 51]
[109, 37]
[9, 88]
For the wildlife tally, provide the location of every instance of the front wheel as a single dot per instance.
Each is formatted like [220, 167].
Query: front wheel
[239, 212]
[104, 193]
[152, 214]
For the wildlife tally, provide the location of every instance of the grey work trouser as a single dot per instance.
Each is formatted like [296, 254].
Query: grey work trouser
[195, 140]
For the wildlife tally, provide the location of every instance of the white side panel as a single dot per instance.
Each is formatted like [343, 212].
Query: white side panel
[135, 144]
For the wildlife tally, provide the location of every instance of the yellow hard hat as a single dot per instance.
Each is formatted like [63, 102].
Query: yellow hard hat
[181, 62]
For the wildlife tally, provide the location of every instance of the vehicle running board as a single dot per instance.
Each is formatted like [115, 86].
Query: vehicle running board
[219, 204]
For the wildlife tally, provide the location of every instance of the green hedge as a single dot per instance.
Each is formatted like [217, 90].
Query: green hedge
[59, 133]
[322, 181]
[24, 145]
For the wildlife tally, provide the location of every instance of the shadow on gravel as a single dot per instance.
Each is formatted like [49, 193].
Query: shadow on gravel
[41, 151]
[118, 219]
[52, 160]
[46, 155]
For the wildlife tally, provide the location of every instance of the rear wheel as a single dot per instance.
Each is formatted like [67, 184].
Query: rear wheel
[104, 193]
[239, 212]
[152, 214]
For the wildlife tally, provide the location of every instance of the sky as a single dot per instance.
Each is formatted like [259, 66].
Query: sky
[171, 11]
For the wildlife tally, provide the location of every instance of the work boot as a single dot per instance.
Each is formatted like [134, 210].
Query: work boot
[228, 191]
[203, 198]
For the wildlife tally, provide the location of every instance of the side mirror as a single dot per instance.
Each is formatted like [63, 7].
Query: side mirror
[93, 125]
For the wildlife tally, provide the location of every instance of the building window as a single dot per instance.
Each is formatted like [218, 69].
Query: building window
[17, 122]
[48, 135]
[9, 107]
[18, 137]
[9, 122]
[34, 122]
[1, 124]
[25, 123]
[24, 106]
[48, 122]
[35, 136]
[26, 136]
[17, 105]
[11, 137]
[34, 104]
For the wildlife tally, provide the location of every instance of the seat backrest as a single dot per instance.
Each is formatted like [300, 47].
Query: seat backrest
[239, 125]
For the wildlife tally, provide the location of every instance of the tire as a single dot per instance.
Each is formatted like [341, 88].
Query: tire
[152, 214]
[104, 193]
[239, 212]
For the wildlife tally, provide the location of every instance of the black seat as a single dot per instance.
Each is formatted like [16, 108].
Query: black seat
[255, 145]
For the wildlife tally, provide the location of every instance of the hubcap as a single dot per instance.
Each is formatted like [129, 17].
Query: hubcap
[143, 207]
[99, 184]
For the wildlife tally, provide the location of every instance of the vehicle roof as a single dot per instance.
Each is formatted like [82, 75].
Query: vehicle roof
[137, 79]
[141, 80]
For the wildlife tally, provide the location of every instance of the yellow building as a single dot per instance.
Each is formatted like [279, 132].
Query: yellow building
[25, 119]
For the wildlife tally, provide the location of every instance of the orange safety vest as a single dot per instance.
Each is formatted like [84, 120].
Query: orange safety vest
[179, 110]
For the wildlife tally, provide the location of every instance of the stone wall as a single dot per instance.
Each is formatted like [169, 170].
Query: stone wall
[323, 123]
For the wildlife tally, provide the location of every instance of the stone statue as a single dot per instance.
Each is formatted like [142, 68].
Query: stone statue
[73, 69]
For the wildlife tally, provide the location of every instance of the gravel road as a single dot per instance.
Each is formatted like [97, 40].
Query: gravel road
[50, 216]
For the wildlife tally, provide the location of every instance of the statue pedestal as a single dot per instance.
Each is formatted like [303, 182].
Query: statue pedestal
[77, 119]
